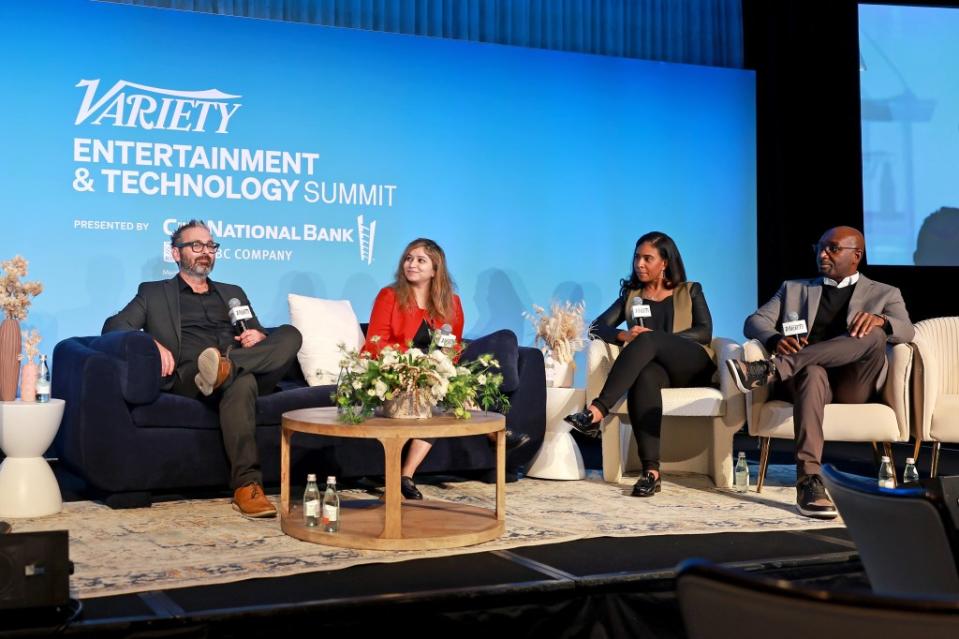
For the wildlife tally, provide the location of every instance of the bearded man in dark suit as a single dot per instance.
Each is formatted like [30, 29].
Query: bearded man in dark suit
[201, 356]
[842, 359]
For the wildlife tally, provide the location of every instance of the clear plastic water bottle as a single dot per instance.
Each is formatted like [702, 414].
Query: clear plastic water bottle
[550, 365]
[910, 475]
[741, 474]
[311, 502]
[887, 473]
[43, 381]
[331, 507]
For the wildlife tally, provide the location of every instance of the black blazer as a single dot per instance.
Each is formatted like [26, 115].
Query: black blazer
[156, 310]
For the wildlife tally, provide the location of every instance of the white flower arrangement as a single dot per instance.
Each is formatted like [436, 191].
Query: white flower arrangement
[562, 331]
[367, 382]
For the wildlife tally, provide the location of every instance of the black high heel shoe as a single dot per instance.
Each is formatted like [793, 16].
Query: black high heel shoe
[647, 485]
[409, 489]
[583, 422]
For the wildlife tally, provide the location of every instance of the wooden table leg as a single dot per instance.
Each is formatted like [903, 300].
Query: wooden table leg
[501, 475]
[393, 519]
[285, 471]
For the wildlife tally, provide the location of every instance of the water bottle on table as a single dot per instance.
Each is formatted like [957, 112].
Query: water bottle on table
[43, 381]
[311, 502]
[331, 507]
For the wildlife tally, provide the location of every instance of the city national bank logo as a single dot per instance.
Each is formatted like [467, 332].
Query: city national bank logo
[225, 232]
[131, 105]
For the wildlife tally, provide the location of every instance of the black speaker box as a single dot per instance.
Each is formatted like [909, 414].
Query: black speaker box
[34, 570]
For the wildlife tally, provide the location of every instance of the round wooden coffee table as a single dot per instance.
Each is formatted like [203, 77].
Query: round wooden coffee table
[394, 523]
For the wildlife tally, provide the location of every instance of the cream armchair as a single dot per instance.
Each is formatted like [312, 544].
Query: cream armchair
[937, 394]
[698, 423]
[884, 422]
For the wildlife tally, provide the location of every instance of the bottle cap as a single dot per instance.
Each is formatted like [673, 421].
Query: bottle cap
[884, 459]
[742, 454]
[311, 477]
[910, 460]
[331, 479]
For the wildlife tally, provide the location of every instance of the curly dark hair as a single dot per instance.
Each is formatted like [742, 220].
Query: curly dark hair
[675, 271]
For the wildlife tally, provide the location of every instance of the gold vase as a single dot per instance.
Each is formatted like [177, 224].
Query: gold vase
[9, 359]
[412, 405]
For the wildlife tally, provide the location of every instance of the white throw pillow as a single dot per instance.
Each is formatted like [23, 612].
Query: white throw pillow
[325, 324]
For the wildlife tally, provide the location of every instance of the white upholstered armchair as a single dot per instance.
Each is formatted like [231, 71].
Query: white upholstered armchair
[698, 423]
[937, 371]
[884, 422]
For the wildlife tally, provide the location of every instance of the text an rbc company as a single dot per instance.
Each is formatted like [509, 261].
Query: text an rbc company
[132, 105]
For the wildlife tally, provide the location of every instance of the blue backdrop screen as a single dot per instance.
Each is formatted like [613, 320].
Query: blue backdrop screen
[316, 154]
[909, 61]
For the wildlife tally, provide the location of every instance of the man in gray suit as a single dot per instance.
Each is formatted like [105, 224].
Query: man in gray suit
[841, 359]
[201, 355]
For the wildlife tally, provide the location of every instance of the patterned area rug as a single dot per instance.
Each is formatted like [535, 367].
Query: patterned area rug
[202, 542]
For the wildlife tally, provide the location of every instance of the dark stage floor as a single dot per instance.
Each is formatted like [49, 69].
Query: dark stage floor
[605, 587]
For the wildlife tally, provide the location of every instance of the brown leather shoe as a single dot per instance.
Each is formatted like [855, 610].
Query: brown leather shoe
[250, 501]
[214, 370]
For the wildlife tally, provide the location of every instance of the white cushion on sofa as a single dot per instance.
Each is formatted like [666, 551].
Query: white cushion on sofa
[325, 324]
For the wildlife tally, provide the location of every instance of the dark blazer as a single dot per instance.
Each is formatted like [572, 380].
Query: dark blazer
[156, 310]
[691, 317]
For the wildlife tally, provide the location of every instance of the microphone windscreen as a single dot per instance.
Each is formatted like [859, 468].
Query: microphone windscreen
[792, 316]
[233, 303]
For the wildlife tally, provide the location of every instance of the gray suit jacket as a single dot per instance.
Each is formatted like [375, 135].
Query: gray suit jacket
[802, 297]
[156, 310]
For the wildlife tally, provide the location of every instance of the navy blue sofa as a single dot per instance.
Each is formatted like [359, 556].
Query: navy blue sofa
[126, 439]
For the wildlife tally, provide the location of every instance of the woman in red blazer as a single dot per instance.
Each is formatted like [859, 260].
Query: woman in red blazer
[420, 300]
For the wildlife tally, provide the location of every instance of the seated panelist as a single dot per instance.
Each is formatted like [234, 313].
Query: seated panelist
[841, 358]
[194, 323]
[665, 345]
[418, 302]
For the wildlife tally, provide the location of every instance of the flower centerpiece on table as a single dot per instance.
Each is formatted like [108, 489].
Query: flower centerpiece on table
[562, 331]
[414, 377]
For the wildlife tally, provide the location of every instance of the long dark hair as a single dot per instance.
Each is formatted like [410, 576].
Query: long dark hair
[675, 271]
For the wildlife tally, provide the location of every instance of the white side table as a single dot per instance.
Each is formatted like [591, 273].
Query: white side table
[559, 457]
[28, 487]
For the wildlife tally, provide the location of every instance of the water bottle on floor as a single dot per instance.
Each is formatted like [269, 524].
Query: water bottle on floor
[741, 474]
[311, 502]
[910, 476]
[331, 507]
[887, 474]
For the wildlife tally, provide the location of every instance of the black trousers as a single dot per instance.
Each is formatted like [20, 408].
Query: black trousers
[256, 372]
[651, 362]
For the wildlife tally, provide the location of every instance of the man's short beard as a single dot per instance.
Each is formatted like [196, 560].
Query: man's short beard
[197, 270]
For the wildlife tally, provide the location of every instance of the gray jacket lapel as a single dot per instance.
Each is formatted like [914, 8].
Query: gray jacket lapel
[859, 296]
[813, 295]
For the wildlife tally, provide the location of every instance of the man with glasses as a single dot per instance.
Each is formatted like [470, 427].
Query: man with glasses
[841, 359]
[203, 357]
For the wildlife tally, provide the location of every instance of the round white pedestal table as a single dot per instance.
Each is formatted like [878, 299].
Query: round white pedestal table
[28, 487]
[559, 456]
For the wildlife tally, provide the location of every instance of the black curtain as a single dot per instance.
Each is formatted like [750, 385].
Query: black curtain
[705, 32]
[809, 157]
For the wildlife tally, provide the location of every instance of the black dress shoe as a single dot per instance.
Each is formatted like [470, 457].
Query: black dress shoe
[647, 485]
[409, 489]
[583, 422]
[515, 440]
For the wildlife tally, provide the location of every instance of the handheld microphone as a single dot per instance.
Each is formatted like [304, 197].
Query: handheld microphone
[239, 313]
[640, 310]
[446, 339]
[794, 326]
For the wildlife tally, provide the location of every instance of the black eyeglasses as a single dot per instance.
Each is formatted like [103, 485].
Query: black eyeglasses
[198, 246]
[832, 249]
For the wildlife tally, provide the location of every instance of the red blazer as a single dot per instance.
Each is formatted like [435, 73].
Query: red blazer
[397, 326]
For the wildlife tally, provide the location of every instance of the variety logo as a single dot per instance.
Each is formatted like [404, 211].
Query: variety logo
[131, 105]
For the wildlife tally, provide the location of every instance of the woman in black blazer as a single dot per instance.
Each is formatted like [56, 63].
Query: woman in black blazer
[665, 345]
